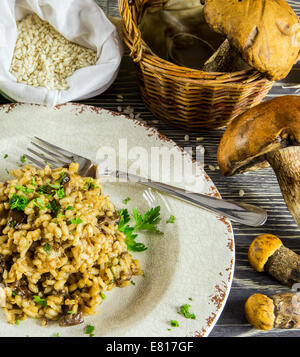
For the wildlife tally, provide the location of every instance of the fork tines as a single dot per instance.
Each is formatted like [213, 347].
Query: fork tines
[51, 154]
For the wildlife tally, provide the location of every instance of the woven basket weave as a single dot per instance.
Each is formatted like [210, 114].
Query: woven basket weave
[185, 97]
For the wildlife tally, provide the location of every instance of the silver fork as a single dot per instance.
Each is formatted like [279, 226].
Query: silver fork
[243, 213]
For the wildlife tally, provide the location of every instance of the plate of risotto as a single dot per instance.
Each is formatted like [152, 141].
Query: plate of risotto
[92, 256]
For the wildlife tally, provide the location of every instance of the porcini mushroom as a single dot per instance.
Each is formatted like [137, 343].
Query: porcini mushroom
[267, 253]
[267, 134]
[279, 311]
[266, 33]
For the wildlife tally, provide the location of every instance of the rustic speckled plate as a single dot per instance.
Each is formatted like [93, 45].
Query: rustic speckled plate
[193, 259]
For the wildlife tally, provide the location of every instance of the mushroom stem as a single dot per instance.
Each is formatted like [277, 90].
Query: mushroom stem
[286, 165]
[284, 265]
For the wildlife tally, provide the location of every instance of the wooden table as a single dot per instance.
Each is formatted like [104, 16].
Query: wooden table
[260, 188]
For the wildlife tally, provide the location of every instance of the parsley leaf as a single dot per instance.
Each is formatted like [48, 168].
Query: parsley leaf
[26, 190]
[88, 185]
[126, 200]
[61, 193]
[103, 295]
[149, 221]
[5, 156]
[89, 330]
[184, 311]
[39, 301]
[18, 202]
[171, 219]
[132, 245]
[76, 220]
[174, 323]
[124, 217]
[39, 203]
[47, 248]
[23, 159]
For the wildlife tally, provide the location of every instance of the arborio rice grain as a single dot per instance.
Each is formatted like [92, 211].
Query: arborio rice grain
[43, 57]
[62, 249]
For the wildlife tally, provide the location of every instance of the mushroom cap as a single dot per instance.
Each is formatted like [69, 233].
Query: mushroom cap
[259, 311]
[261, 249]
[269, 126]
[266, 33]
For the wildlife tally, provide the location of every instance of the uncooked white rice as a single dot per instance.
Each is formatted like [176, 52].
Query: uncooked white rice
[43, 57]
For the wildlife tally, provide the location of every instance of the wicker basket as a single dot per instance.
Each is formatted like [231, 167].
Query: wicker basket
[187, 98]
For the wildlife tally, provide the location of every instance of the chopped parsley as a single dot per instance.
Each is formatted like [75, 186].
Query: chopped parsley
[174, 323]
[5, 156]
[89, 330]
[13, 294]
[60, 214]
[62, 176]
[171, 219]
[88, 185]
[76, 220]
[57, 335]
[47, 248]
[18, 202]
[132, 282]
[103, 296]
[126, 200]
[69, 208]
[26, 190]
[39, 301]
[18, 322]
[13, 224]
[23, 159]
[33, 181]
[61, 193]
[56, 187]
[39, 203]
[54, 207]
[184, 311]
[191, 299]
[70, 312]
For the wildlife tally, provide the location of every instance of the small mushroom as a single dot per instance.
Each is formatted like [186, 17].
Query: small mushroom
[276, 311]
[267, 253]
[268, 134]
[266, 33]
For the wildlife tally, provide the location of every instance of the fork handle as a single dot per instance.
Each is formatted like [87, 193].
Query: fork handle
[243, 213]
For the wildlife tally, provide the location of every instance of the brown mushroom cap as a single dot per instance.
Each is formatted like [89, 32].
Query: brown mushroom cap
[259, 311]
[266, 33]
[269, 126]
[261, 249]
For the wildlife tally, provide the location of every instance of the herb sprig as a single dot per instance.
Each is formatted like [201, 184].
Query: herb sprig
[148, 223]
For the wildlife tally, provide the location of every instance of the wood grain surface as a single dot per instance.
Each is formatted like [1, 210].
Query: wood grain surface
[261, 188]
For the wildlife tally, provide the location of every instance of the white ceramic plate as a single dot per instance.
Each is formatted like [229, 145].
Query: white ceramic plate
[193, 259]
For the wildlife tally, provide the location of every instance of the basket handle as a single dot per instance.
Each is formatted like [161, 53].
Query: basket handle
[132, 35]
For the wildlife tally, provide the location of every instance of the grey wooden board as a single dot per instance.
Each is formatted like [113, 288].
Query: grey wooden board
[260, 188]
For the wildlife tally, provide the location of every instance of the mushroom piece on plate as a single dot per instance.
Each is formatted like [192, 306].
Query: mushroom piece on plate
[266, 33]
[267, 134]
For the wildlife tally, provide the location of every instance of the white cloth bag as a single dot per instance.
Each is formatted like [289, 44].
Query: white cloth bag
[80, 21]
